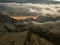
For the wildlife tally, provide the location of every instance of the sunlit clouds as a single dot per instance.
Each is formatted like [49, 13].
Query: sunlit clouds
[29, 9]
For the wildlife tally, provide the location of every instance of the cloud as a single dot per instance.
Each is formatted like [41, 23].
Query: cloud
[29, 9]
[22, 1]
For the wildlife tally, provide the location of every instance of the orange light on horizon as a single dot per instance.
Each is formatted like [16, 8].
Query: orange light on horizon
[23, 17]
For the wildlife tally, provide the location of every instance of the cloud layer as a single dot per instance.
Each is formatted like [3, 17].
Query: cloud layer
[29, 9]
[22, 1]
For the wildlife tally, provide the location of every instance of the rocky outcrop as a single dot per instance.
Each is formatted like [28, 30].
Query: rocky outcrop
[49, 30]
[47, 19]
[5, 18]
[31, 33]
[9, 26]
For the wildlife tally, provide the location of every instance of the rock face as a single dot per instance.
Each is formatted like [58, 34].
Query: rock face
[47, 19]
[49, 30]
[5, 18]
[29, 19]
[33, 33]
[10, 26]
[13, 38]
[40, 35]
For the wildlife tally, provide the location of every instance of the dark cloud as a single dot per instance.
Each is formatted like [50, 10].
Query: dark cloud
[29, 9]
[21, 1]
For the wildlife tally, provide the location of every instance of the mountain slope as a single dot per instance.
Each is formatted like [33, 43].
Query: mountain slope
[33, 33]
[5, 18]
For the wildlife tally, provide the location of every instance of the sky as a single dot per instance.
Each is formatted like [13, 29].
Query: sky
[27, 1]
[56, 0]
[29, 9]
[22, 8]
[24, 0]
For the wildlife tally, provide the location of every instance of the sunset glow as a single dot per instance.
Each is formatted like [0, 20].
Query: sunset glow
[23, 17]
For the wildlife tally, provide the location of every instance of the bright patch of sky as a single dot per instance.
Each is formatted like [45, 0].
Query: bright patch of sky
[56, 0]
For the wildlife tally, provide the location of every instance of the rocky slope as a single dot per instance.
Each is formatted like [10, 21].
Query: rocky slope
[31, 33]
[47, 19]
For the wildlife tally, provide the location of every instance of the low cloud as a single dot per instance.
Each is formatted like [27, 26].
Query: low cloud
[29, 9]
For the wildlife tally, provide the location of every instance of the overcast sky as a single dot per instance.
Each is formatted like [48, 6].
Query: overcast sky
[28, 8]
[24, 0]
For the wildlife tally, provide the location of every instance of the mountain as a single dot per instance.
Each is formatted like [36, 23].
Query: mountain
[5, 18]
[57, 18]
[30, 33]
[48, 30]
[47, 19]
[41, 19]
[37, 33]
[33, 33]
[7, 23]
[29, 19]
[44, 19]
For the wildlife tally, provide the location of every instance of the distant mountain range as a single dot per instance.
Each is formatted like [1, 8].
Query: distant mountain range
[47, 19]
[5, 18]
[29, 33]
[41, 19]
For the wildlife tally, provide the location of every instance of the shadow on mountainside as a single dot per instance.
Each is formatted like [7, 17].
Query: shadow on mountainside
[25, 34]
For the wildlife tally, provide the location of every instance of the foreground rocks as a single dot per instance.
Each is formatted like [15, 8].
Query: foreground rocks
[33, 34]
